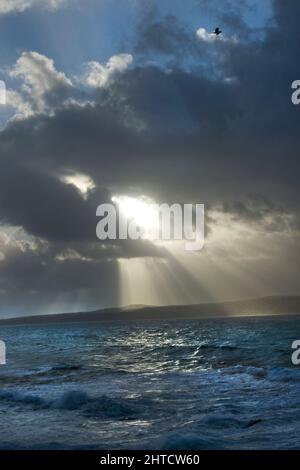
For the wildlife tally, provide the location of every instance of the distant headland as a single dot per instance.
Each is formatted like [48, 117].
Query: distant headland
[265, 306]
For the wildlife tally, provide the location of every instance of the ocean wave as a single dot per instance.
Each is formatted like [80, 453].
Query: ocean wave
[16, 398]
[227, 421]
[270, 374]
[102, 407]
[216, 347]
[256, 372]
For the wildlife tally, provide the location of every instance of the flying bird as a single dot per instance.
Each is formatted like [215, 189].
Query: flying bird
[217, 32]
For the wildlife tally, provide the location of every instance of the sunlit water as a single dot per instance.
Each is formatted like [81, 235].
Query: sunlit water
[209, 384]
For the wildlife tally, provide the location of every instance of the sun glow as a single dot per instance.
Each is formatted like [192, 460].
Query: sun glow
[142, 211]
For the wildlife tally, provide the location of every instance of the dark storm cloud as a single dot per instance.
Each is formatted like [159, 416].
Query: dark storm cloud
[36, 267]
[31, 280]
[153, 124]
[164, 129]
[41, 204]
[91, 138]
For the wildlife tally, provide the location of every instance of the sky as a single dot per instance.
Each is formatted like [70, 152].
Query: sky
[137, 99]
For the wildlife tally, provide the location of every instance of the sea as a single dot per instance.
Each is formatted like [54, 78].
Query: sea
[163, 385]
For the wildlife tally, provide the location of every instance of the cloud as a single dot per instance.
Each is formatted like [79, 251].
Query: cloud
[10, 6]
[40, 80]
[161, 35]
[22, 108]
[205, 36]
[264, 215]
[43, 205]
[44, 89]
[98, 75]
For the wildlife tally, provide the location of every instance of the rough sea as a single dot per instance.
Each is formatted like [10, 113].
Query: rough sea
[206, 384]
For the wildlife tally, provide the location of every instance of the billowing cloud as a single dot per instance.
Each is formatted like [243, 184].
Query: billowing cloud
[39, 79]
[98, 75]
